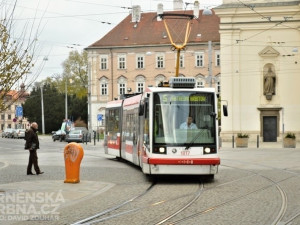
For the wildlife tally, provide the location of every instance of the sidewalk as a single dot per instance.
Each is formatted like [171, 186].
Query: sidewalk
[43, 200]
[261, 145]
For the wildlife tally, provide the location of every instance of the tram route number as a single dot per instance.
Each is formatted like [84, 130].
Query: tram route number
[185, 152]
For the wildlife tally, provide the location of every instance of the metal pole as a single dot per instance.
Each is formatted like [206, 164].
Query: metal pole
[232, 141]
[42, 104]
[257, 141]
[90, 123]
[177, 62]
[66, 100]
[209, 63]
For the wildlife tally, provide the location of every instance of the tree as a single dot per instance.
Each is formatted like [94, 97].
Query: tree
[78, 108]
[16, 53]
[53, 107]
[75, 74]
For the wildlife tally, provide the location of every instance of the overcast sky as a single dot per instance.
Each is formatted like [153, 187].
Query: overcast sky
[67, 25]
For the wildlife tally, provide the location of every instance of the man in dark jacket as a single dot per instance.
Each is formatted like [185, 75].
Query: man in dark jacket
[32, 144]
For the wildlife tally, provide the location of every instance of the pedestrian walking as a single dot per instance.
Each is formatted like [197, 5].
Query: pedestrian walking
[32, 144]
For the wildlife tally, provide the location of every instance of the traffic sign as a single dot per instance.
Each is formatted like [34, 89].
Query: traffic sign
[19, 111]
[100, 117]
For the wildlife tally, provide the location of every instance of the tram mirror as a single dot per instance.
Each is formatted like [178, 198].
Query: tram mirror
[225, 110]
[141, 110]
[146, 109]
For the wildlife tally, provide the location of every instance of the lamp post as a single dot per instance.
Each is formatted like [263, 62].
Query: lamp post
[66, 97]
[66, 100]
[42, 105]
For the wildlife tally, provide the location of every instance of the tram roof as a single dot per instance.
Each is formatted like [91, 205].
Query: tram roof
[132, 100]
[115, 103]
[169, 89]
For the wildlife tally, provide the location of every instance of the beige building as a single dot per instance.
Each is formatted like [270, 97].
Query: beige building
[260, 43]
[13, 100]
[137, 53]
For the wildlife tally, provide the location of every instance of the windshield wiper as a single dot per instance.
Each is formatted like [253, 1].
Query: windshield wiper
[212, 114]
[193, 140]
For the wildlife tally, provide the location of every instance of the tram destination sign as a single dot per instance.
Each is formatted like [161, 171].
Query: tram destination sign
[184, 98]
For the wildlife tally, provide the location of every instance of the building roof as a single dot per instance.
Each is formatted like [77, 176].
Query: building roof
[149, 31]
[14, 95]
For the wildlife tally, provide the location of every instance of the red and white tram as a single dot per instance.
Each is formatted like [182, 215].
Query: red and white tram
[151, 130]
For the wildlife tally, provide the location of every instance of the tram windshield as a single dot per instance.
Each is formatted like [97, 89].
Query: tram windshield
[184, 118]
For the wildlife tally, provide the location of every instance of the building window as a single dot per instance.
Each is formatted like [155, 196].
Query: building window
[199, 59]
[103, 62]
[9, 116]
[140, 83]
[159, 79]
[121, 62]
[122, 85]
[140, 64]
[140, 87]
[122, 89]
[217, 60]
[200, 81]
[200, 84]
[2, 116]
[181, 61]
[218, 87]
[103, 86]
[160, 61]
[217, 84]
[104, 89]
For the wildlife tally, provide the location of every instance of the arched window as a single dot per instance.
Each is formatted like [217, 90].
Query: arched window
[140, 83]
[103, 86]
[217, 80]
[160, 78]
[200, 81]
[122, 85]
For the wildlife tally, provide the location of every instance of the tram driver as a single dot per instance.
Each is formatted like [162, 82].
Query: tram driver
[188, 124]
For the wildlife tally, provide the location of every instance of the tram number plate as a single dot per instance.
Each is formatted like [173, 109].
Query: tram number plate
[185, 152]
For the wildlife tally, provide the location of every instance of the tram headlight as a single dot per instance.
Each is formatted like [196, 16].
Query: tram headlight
[207, 150]
[162, 150]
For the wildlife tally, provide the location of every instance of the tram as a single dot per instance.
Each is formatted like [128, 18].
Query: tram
[169, 129]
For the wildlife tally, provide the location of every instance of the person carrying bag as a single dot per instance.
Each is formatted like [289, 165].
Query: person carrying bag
[32, 144]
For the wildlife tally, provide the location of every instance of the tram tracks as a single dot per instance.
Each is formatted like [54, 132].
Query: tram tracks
[278, 220]
[115, 212]
[95, 218]
[179, 215]
[284, 198]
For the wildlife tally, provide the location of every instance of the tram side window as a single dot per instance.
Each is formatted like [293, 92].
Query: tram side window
[113, 123]
[146, 124]
[130, 125]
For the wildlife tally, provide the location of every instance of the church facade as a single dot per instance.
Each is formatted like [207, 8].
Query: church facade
[260, 67]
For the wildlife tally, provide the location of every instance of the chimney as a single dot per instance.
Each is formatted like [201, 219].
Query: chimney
[177, 5]
[160, 10]
[136, 14]
[196, 9]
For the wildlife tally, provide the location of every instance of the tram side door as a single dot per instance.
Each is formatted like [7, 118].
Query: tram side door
[143, 139]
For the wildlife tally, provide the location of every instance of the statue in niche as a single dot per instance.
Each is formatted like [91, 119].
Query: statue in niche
[269, 83]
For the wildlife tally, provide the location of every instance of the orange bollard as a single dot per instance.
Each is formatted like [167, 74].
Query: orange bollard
[73, 154]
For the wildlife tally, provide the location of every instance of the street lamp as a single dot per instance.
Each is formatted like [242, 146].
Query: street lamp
[42, 106]
[66, 97]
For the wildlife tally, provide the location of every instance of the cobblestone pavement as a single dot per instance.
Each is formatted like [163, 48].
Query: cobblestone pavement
[253, 186]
